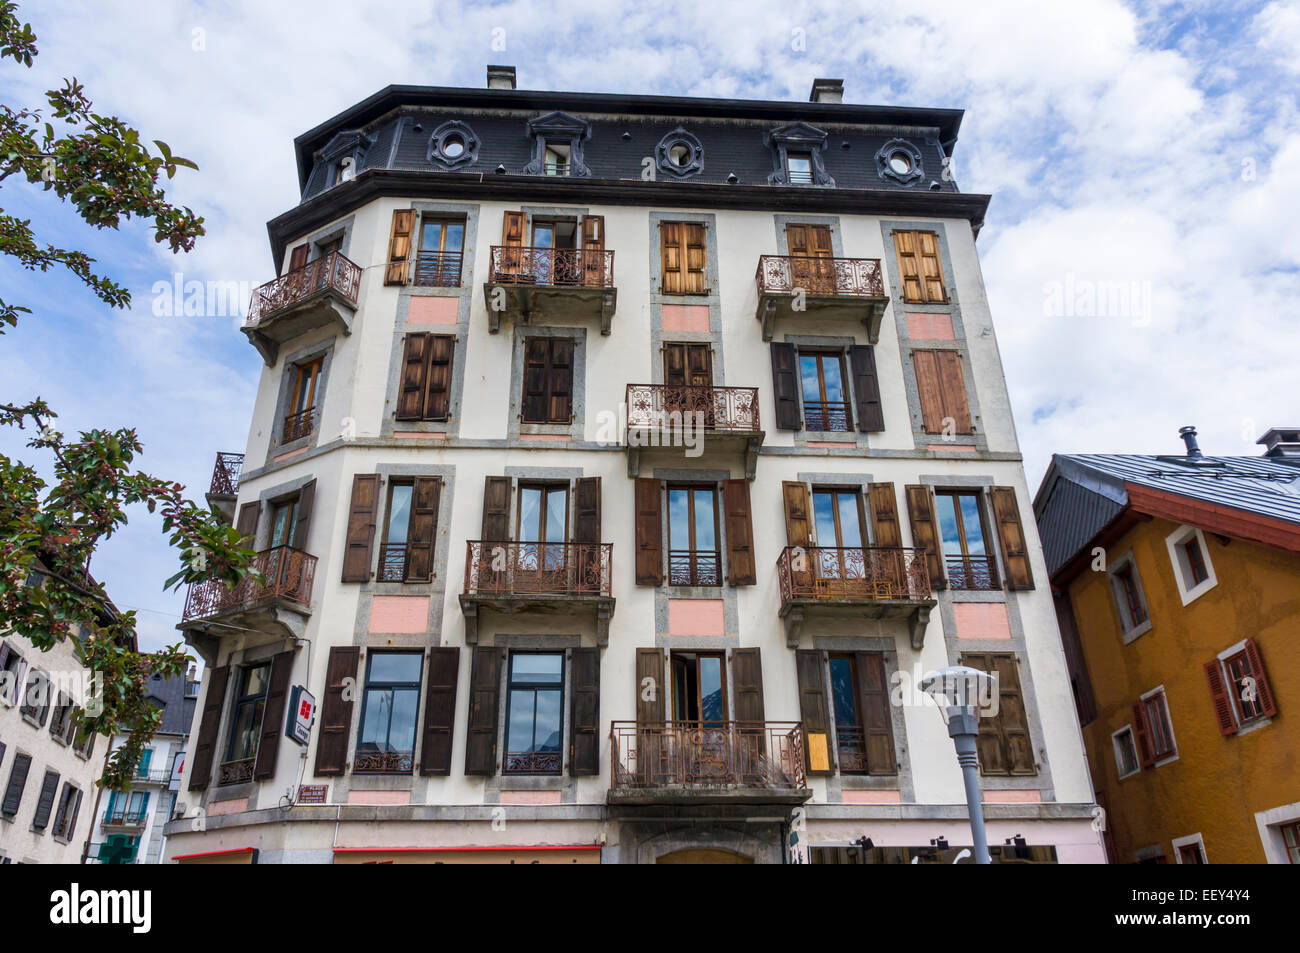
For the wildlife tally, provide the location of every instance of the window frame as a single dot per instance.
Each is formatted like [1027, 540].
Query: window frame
[803, 177]
[859, 715]
[442, 271]
[1159, 756]
[1233, 688]
[547, 370]
[390, 686]
[990, 544]
[304, 399]
[693, 553]
[696, 655]
[1188, 590]
[1194, 841]
[821, 355]
[385, 542]
[534, 686]
[242, 698]
[1117, 741]
[1290, 851]
[1129, 630]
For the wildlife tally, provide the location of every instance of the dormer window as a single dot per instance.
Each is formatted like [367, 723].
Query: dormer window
[557, 158]
[557, 149]
[798, 152]
[342, 157]
[798, 168]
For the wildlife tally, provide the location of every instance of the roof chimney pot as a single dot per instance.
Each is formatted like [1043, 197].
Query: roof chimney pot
[827, 91]
[1189, 438]
[500, 77]
[1281, 442]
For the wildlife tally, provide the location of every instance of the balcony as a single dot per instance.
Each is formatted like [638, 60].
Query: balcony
[154, 776]
[876, 582]
[971, 572]
[319, 294]
[283, 596]
[707, 763]
[534, 285]
[236, 772]
[438, 269]
[802, 288]
[224, 488]
[299, 425]
[690, 419]
[126, 819]
[559, 578]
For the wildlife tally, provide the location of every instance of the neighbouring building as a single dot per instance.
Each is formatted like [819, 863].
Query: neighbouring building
[618, 465]
[1176, 579]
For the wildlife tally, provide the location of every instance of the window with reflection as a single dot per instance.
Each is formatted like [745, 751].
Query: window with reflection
[250, 704]
[386, 737]
[825, 398]
[849, 740]
[442, 242]
[699, 688]
[542, 529]
[798, 166]
[837, 522]
[694, 558]
[534, 714]
[963, 539]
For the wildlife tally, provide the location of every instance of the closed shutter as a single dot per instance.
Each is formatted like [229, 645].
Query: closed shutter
[399, 246]
[423, 534]
[560, 381]
[929, 390]
[336, 710]
[651, 688]
[496, 509]
[277, 695]
[1142, 735]
[747, 682]
[1219, 696]
[1263, 691]
[796, 239]
[45, 803]
[953, 385]
[1013, 724]
[247, 522]
[415, 367]
[1015, 554]
[919, 265]
[925, 535]
[537, 352]
[673, 265]
[909, 266]
[437, 402]
[298, 257]
[205, 746]
[302, 526]
[17, 781]
[884, 515]
[693, 235]
[649, 533]
[512, 229]
[484, 691]
[785, 387]
[688, 365]
[866, 388]
[65, 797]
[440, 710]
[814, 710]
[584, 713]
[593, 251]
[877, 727]
[988, 743]
[931, 268]
[741, 570]
[362, 511]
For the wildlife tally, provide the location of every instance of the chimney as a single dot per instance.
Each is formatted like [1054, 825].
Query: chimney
[1281, 442]
[827, 91]
[500, 77]
[1189, 438]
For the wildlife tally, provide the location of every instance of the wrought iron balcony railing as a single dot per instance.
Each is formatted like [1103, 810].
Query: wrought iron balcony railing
[533, 762]
[438, 269]
[299, 425]
[225, 474]
[827, 416]
[821, 277]
[153, 776]
[971, 572]
[705, 755]
[374, 761]
[125, 817]
[851, 747]
[694, 567]
[552, 267]
[287, 573]
[506, 568]
[236, 772]
[333, 272]
[855, 574]
[713, 408]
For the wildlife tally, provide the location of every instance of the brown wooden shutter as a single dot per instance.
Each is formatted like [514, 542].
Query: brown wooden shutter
[1015, 554]
[362, 512]
[437, 403]
[741, 570]
[884, 515]
[247, 522]
[931, 268]
[909, 266]
[866, 388]
[205, 745]
[593, 251]
[425, 493]
[929, 390]
[953, 385]
[747, 683]
[1263, 691]
[1219, 695]
[399, 246]
[651, 687]
[798, 520]
[277, 695]
[537, 367]
[925, 535]
[584, 713]
[298, 257]
[496, 509]
[649, 533]
[693, 238]
[1142, 735]
[415, 368]
[336, 710]
[814, 710]
[675, 365]
[484, 692]
[796, 240]
[785, 387]
[1012, 722]
[560, 381]
[819, 241]
[512, 229]
[988, 744]
[877, 726]
[439, 710]
[586, 510]
[672, 263]
[302, 526]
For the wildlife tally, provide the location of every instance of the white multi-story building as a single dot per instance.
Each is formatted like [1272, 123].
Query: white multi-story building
[618, 464]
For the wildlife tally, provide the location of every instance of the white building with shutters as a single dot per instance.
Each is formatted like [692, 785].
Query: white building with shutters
[618, 466]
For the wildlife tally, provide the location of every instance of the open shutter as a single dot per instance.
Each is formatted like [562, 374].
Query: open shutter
[205, 744]
[302, 527]
[1014, 552]
[1219, 695]
[425, 493]
[693, 235]
[277, 694]
[649, 533]
[537, 367]
[45, 803]
[747, 682]
[741, 570]
[651, 687]
[560, 381]
[810, 666]
[484, 689]
[437, 401]
[885, 530]
[925, 535]
[399, 246]
[1263, 690]
[952, 384]
[362, 511]
[415, 369]
[1142, 735]
[866, 388]
[909, 266]
[673, 265]
[798, 525]
[496, 509]
[584, 713]
[586, 510]
[439, 710]
[926, 365]
[17, 782]
[593, 251]
[298, 257]
[246, 524]
[512, 240]
[785, 387]
[877, 729]
[336, 710]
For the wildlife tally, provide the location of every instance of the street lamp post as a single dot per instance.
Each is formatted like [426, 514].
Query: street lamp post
[960, 693]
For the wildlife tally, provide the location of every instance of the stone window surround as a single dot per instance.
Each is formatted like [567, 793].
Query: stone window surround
[1246, 727]
[1115, 745]
[1128, 634]
[1174, 542]
[781, 221]
[533, 644]
[1190, 839]
[340, 230]
[993, 544]
[910, 149]
[712, 299]
[857, 482]
[289, 365]
[269, 496]
[575, 429]
[438, 139]
[695, 154]
[1169, 720]
[558, 127]
[798, 137]
[1269, 823]
[812, 342]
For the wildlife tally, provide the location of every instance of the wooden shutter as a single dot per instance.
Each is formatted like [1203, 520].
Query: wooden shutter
[785, 387]
[425, 493]
[1012, 722]
[336, 710]
[649, 533]
[925, 535]
[415, 368]
[941, 387]
[747, 683]
[814, 710]
[931, 269]
[205, 745]
[484, 690]
[866, 388]
[1142, 735]
[798, 520]
[884, 515]
[1014, 551]
[651, 687]
[298, 257]
[1263, 690]
[586, 510]
[45, 803]
[672, 260]
[439, 710]
[247, 522]
[877, 726]
[277, 695]
[362, 512]
[988, 745]
[819, 241]
[548, 380]
[909, 267]
[584, 713]
[919, 265]
[1219, 695]
[17, 781]
[929, 390]
[593, 251]
[741, 570]
[496, 509]
[399, 246]
[796, 239]
[437, 401]
[512, 229]
[693, 237]
[560, 381]
[306, 503]
[953, 385]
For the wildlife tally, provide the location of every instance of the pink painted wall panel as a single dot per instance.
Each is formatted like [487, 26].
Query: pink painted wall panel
[379, 797]
[686, 317]
[950, 447]
[929, 327]
[872, 797]
[695, 617]
[1013, 797]
[530, 797]
[981, 620]
[433, 310]
[414, 435]
[399, 613]
[233, 806]
[290, 455]
[544, 436]
[831, 444]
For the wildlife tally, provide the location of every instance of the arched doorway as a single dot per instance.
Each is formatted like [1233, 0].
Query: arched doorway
[703, 855]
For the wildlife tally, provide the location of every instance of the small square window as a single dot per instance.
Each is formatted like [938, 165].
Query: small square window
[1193, 569]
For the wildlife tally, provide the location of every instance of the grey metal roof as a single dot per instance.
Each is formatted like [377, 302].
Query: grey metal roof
[176, 703]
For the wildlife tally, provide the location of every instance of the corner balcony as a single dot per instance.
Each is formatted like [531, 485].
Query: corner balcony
[802, 288]
[224, 488]
[535, 285]
[322, 293]
[718, 763]
[688, 420]
[548, 578]
[875, 582]
[282, 598]
[124, 819]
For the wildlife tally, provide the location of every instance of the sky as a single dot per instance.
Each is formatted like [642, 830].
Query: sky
[1141, 251]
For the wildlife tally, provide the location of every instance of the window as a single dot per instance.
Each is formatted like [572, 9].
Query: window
[386, 738]
[424, 392]
[688, 381]
[825, 398]
[962, 535]
[36, 698]
[849, 740]
[941, 387]
[1130, 602]
[61, 723]
[1291, 840]
[682, 258]
[837, 525]
[694, 558]
[548, 380]
[1126, 757]
[17, 781]
[799, 168]
[84, 740]
[1003, 744]
[284, 521]
[1155, 734]
[542, 531]
[1195, 562]
[900, 163]
[1245, 694]
[1193, 570]
[301, 419]
[127, 808]
[699, 688]
[65, 819]
[12, 668]
[551, 256]
[45, 803]
[441, 252]
[918, 263]
[1189, 850]
[534, 713]
[1239, 687]
[557, 158]
[409, 530]
[812, 265]
[246, 720]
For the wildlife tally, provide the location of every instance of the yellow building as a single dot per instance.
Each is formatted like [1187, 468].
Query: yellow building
[1177, 580]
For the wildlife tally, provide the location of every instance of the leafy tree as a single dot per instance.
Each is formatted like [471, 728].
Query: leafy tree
[103, 168]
